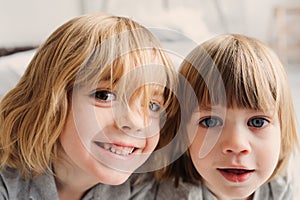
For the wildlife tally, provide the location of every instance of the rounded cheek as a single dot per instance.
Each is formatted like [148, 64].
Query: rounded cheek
[268, 157]
[71, 141]
[197, 144]
[194, 151]
[151, 143]
[203, 155]
[151, 135]
[203, 166]
[81, 158]
[87, 123]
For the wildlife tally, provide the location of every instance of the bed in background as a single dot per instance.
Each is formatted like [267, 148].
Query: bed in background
[13, 62]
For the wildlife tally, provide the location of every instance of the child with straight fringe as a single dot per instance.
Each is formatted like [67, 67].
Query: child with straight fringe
[236, 113]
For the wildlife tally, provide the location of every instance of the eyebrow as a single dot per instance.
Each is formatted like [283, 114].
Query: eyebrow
[202, 108]
[105, 83]
[158, 93]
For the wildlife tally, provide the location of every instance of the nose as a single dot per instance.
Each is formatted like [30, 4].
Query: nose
[130, 119]
[235, 140]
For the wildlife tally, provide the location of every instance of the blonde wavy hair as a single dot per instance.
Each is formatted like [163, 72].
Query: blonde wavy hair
[250, 74]
[81, 52]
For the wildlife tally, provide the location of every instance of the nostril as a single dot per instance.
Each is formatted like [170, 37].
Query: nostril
[229, 151]
[129, 123]
[126, 128]
[129, 129]
[245, 151]
[242, 151]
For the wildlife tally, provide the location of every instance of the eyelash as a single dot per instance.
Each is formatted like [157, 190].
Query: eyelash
[157, 107]
[102, 96]
[205, 122]
[265, 122]
[211, 122]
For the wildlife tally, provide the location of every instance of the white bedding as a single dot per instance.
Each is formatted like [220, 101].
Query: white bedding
[11, 69]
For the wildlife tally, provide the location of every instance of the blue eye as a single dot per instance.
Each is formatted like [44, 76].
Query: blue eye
[257, 122]
[211, 122]
[154, 107]
[104, 95]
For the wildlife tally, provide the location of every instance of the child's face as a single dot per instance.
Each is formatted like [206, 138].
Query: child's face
[234, 153]
[108, 141]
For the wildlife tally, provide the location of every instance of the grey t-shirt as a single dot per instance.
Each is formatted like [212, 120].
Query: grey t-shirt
[13, 187]
[279, 188]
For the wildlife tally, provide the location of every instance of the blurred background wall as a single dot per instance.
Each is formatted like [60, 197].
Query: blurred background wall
[29, 22]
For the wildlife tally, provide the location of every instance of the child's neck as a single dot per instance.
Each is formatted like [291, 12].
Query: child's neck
[66, 192]
[71, 182]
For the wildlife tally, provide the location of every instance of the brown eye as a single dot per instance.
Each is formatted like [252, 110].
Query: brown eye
[104, 95]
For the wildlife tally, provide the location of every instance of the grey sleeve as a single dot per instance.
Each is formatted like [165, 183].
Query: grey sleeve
[145, 189]
[3, 189]
[10, 184]
[280, 188]
[184, 191]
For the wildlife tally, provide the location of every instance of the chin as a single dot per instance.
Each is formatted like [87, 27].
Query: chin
[115, 178]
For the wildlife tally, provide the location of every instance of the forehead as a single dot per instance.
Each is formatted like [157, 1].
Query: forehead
[135, 65]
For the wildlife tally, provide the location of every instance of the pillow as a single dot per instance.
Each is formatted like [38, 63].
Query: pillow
[11, 69]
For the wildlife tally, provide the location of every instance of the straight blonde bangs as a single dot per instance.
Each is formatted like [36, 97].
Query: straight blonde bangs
[83, 51]
[232, 74]
[237, 71]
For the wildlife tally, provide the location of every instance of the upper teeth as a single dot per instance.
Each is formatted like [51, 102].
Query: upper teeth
[120, 150]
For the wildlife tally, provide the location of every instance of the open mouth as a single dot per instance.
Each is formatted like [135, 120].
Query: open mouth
[236, 171]
[235, 174]
[116, 149]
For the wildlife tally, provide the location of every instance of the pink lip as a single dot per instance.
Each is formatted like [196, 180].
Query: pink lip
[118, 144]
[236, 174]
[123, 145]
[114, 155]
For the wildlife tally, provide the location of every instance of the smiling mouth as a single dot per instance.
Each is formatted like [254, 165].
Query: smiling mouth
[116, 149]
